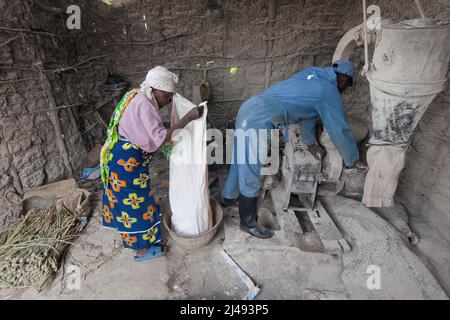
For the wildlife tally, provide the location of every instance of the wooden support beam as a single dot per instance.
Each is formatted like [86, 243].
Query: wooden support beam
[273, 5]
[54, 118]
[332, 239]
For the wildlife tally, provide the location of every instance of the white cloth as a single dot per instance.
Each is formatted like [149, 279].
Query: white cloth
[385, 166]
[188, 187]
[160, 78]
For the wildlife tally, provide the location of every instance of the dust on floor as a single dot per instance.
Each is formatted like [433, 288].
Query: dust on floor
[283, 272]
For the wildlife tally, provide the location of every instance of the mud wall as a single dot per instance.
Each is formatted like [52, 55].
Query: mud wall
[201, 40]
[39, 146]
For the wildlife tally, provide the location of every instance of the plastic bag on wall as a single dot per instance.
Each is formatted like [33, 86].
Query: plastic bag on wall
[188, 189]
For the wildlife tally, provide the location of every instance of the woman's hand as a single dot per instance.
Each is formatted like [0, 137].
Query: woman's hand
[194, 113]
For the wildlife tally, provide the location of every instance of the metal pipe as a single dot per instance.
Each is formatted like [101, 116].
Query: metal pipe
[366, 45]
[419, 7]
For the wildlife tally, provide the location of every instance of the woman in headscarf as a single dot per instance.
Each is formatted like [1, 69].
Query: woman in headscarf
[135, 132]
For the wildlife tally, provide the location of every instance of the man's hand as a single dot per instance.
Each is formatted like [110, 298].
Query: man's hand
[317, 151]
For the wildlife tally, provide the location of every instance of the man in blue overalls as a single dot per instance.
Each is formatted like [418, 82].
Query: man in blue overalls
[308, 95]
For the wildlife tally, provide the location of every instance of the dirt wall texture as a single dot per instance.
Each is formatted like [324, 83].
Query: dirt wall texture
[202, 40]
[39, 146]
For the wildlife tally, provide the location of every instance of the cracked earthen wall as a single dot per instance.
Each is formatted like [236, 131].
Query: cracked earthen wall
[32, 150]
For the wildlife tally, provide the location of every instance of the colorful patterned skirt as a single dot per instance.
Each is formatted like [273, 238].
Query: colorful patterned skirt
[128, 203]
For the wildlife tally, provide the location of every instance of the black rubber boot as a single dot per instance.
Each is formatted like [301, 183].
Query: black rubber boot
[224, 202]
[248, 214]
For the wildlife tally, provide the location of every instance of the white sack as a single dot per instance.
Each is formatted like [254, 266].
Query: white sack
[188, 188]
[385, 165]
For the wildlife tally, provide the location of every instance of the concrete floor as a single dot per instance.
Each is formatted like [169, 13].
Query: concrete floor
[280, 270]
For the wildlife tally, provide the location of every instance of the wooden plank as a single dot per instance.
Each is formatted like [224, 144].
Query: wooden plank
[332, 239]
[290, 226]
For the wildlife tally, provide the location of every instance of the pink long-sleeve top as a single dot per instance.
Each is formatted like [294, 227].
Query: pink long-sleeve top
[141, 124]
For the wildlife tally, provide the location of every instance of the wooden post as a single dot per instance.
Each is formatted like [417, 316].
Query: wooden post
[273, 5]
[54, 118]
[70, 111]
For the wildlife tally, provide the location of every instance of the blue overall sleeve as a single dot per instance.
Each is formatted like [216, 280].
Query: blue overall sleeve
[333, 118]
[308, 130]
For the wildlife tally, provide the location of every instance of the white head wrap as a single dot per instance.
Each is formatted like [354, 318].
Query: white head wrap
[162, 79]
[159, 78]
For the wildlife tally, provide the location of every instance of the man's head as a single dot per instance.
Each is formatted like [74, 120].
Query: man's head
[162, 83]
[345, 72]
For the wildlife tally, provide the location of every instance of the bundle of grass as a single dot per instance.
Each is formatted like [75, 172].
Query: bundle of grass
[31, 251]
